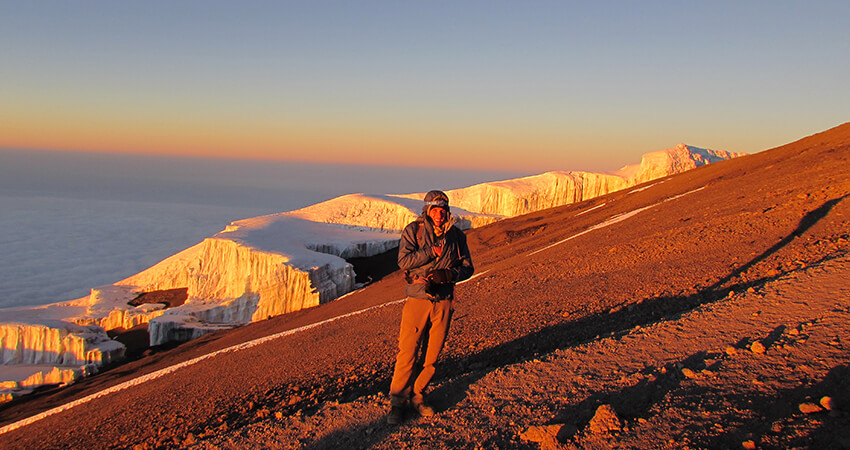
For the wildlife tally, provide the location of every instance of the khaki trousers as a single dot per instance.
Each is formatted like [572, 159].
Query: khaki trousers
[418, 350]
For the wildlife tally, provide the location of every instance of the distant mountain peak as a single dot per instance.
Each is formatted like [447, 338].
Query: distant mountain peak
[676, 159]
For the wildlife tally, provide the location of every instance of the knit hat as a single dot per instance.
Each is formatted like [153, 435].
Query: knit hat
[436, 198]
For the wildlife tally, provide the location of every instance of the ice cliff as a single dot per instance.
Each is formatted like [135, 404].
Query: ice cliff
[266, 266]
[674, 160]
[37, 351]
[524, 195]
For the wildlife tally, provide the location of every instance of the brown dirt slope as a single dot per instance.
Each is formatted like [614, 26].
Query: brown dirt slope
[606, 302]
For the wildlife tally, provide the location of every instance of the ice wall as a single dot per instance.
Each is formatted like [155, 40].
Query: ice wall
[384, 212]
[57, 342]
[231, 270]
[266, 266]
[21, 380]
[525, 195]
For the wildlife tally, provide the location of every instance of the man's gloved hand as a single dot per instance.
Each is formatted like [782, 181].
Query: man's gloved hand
[440, 276]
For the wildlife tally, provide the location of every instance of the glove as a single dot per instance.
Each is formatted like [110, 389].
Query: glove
[440, 276]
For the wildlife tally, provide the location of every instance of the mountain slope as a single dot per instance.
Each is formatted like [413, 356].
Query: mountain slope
[563, 286]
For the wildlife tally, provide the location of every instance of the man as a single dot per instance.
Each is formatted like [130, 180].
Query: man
[434, 255]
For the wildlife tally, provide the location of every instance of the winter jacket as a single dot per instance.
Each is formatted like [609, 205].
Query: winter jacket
[416, 255]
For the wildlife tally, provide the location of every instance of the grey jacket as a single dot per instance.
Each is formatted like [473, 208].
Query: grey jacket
[416, 255]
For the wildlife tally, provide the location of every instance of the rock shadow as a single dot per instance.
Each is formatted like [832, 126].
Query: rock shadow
[633, 401]
[361, 436]
[808, 221]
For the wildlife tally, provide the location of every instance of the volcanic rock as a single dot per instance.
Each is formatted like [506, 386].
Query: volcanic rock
[605, 420]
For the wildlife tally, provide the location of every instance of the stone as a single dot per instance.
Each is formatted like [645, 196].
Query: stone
[749, 445]
[757, 347]
[545, 435]
[828, 403]
[730, 350]
[190, 439]
[688, 373]
[605, 420]
[810, 408]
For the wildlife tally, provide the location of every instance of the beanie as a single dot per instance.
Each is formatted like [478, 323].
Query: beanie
[436, 198]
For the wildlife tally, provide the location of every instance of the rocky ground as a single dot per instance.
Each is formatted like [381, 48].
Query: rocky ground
[708, 310]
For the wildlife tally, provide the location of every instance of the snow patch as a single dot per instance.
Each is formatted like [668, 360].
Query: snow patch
[614, 219]
[591, 209]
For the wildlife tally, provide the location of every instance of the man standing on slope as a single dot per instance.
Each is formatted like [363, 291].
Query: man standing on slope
[434, 255]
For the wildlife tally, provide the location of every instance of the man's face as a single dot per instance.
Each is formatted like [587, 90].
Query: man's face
[438, 215]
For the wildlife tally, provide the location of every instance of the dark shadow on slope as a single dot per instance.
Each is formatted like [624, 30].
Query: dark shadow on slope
[633, 401]
[363, 436]
[774, 336]
[809, 220]
[826, 430]
[834, 432]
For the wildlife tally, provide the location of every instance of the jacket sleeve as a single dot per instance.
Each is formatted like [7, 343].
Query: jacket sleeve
[410, 255]
[463, 269]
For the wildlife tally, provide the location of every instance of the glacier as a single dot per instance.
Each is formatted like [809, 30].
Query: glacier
[265, 266]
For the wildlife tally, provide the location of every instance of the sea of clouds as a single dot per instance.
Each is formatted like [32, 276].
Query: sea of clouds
[72, 221]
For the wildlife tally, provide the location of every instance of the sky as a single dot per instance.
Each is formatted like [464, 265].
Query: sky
[486, 85]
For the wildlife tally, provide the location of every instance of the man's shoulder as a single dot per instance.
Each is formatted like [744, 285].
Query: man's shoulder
[413, 227]
[416, 223]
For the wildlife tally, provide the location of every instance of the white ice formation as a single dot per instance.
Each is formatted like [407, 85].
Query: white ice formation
[270, 265]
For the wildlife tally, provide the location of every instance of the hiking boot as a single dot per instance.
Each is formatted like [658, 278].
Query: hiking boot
[423, 409]
[396, 415]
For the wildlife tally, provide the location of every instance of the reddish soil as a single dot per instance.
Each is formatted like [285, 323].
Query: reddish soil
[705, 320]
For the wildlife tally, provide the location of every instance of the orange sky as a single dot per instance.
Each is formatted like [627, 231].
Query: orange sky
[565, 86]
[473, 145]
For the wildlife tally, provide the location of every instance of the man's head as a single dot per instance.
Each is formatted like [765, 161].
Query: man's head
[437, 207]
